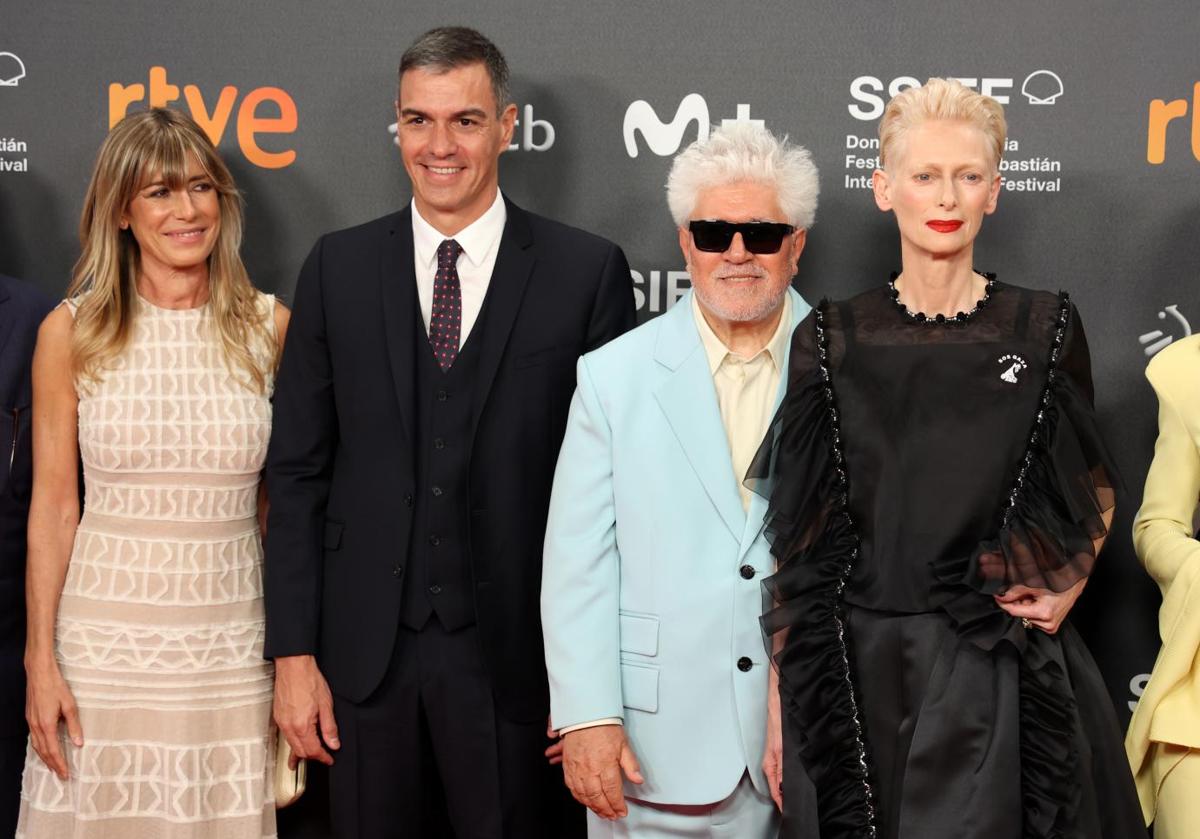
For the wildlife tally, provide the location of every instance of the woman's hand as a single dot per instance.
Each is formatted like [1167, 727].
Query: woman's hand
[1044, 609]
[53, 518]
[47, 700]
[772, 763]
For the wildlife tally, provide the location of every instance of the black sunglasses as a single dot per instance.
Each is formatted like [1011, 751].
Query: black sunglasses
[757, 236]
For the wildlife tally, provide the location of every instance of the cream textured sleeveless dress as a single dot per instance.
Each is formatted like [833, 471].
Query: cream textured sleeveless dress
[160, 627]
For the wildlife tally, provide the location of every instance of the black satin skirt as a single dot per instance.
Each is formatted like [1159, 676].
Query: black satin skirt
[942, 723]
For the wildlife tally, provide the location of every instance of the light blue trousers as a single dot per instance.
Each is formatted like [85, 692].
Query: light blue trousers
[745, 814]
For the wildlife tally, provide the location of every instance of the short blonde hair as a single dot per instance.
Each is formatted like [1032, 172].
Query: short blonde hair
[941, 99]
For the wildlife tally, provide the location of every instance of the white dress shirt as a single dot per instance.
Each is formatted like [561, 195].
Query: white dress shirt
[746, 389]
[480, 242]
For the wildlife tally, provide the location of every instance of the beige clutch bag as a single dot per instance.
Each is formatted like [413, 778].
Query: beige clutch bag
[289, 783]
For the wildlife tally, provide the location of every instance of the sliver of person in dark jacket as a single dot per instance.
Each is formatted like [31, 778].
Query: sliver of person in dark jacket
[22, 308]
[419, 408]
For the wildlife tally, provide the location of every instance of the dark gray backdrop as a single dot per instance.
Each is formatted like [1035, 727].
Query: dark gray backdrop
[1117, 231]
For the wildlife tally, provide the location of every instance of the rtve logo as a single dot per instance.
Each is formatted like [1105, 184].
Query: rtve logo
[666, 138]
[1161, 114]
[1156, 339]
[214, 120]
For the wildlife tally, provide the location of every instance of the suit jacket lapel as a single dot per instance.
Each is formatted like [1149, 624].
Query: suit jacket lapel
[758, 505]
[689, 400]
[514, 264]
[397, 290]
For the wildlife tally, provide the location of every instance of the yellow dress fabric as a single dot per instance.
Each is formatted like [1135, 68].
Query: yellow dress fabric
[1163, 742]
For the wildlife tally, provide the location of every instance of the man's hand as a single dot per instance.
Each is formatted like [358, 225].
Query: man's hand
[772, 763]
[304, 708]
[593, 760]
[1043, 608]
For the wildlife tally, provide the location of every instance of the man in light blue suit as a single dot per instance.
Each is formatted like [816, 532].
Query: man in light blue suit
[654, 553]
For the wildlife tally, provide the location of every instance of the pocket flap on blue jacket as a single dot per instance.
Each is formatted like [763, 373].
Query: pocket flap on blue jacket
[639, 687]
[639, 633]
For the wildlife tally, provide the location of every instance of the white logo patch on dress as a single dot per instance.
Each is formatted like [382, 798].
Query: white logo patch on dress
[1016, 365]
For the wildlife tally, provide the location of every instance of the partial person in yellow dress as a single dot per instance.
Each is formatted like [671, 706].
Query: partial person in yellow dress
[1163, 742]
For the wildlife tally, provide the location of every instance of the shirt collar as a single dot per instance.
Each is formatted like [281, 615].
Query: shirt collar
[477, 239]
[716, 351]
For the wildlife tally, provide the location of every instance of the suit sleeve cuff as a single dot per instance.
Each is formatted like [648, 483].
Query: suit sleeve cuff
[606, 721]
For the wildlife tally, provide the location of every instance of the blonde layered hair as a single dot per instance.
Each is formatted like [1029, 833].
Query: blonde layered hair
[145, 146]
[941, 99]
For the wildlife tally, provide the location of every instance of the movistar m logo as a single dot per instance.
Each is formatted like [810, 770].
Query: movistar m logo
[666, 138]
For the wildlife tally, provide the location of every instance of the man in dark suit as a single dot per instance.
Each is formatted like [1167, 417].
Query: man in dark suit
[419, 408]
[22, 308]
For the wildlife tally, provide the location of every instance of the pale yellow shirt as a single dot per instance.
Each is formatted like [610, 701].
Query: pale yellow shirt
[746, 389]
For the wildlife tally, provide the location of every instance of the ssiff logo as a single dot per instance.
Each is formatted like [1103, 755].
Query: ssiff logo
[666, 138]
[1156, 340]
[1162, 113]
[1041, 87]
[12, 69]
[651, 294]
[214, 119]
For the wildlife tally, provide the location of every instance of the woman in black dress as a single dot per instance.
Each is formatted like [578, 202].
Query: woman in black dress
[939, 492]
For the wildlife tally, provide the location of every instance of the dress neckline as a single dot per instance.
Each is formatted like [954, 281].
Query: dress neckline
[146, 304]
[959, 319]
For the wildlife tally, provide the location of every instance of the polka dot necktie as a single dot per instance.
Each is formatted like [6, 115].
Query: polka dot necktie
[445, 320]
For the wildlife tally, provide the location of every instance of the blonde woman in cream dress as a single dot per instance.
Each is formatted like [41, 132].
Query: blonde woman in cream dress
[149, 702]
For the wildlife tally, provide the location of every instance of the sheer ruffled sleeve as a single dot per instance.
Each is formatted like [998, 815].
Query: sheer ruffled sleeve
[1057, 514]
[1061, 500]
[800, 469]
[798, 447]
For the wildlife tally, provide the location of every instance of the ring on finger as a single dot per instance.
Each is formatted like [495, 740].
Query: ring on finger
[1027, 623]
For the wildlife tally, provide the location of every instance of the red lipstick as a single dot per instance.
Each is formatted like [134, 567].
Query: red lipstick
[944, 225]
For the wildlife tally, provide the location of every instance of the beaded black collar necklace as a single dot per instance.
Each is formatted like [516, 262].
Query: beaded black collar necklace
[953, 320]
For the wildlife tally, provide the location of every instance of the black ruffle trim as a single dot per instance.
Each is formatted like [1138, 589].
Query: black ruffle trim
[816, 546]
[1056, 509]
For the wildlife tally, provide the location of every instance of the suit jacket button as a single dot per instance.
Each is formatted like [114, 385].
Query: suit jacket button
[408, 500]
[747, 572]
[435, 541]
[398, 570]
[435, 589]
[744, 664]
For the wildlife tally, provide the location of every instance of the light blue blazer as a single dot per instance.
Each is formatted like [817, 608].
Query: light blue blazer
[645, 610]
